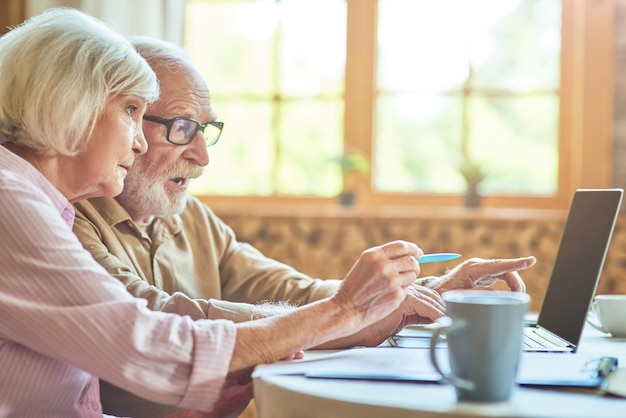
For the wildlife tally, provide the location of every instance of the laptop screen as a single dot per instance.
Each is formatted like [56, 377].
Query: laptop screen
[579, 262]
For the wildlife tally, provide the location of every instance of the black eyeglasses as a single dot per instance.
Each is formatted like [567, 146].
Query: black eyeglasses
[181, 131]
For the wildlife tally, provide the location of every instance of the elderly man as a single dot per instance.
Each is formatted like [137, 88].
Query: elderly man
[172, 250]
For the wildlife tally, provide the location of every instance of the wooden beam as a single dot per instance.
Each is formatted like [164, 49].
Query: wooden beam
[12, 12]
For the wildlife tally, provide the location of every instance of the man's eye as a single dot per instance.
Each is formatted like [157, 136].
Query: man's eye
[131, 109]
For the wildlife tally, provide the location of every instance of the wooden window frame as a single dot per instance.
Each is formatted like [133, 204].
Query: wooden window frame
[585, 127]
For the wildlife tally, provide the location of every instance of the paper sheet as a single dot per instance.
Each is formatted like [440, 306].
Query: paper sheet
[370, 360]
[415, 365]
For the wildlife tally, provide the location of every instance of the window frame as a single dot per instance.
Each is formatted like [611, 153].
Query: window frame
[585, 107]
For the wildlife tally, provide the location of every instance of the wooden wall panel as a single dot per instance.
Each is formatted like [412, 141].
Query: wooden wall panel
[12, 12]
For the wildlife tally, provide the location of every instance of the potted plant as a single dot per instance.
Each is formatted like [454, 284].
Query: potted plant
[351, 164]
[474, 173]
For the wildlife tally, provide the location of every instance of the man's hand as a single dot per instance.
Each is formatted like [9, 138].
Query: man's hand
[420, 306]
[477, 273]
[378, 283]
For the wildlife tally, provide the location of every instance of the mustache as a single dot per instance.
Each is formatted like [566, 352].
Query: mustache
[184, 170]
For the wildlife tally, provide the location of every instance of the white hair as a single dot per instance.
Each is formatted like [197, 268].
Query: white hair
[160, 53]
[57, 72]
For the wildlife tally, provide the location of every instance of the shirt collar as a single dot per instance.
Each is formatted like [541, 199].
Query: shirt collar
[113, 213]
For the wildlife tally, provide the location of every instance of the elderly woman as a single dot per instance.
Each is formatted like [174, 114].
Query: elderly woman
[72, 97]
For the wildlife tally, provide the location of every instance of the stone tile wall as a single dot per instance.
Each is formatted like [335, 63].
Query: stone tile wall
[327, 247]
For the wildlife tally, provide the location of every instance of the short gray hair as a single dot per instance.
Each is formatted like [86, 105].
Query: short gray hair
[160, 53]
[57, 72]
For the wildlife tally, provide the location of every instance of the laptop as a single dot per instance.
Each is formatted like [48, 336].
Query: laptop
[576, 271]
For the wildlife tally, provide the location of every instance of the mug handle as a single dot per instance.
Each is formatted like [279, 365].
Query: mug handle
[593, 323]
[445, 324]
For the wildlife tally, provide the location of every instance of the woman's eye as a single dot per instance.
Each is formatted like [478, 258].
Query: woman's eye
[131, 109]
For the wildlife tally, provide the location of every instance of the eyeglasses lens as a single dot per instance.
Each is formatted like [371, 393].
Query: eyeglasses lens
[183, 131]
[211, 134]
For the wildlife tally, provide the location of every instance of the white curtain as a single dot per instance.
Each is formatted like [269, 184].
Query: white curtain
[158, 18]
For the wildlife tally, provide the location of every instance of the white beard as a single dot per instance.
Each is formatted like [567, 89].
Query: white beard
[145, 196]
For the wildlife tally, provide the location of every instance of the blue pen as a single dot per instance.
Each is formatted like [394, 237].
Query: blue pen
[431, 258]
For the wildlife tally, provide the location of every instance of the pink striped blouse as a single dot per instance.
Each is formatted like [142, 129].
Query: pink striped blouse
[64, 321]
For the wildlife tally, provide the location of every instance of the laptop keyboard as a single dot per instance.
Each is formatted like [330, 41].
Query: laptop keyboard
[530, 340]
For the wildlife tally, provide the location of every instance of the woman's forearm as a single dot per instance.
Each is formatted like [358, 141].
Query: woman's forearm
[273, 338]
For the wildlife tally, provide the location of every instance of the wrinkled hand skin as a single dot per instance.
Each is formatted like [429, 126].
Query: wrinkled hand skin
[475, 273]
[481, 274]
[421, 306]
[378, 283]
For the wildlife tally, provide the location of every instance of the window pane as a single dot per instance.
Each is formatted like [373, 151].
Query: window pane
[312, 47]
[232, 44]
[520, 50]
[514, 139]
[308, 148]
[276, 81]
[420, 46]
[480, 85]
[415, 134]
[240, 162]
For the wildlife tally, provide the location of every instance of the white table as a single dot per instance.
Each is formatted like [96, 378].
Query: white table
[279, 395]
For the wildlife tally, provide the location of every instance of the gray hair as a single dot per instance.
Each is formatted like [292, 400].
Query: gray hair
[57, 72]
[160, 53]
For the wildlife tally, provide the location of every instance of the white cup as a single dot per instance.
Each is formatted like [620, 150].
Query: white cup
[610, 311]
[484, 334]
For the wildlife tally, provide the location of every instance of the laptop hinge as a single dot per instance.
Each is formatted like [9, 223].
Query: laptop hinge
[554, 339]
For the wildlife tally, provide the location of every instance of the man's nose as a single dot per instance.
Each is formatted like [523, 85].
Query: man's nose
[197, 151]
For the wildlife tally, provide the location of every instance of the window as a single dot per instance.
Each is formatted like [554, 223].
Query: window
[428, 92]
[459, 94]
[278, 88]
